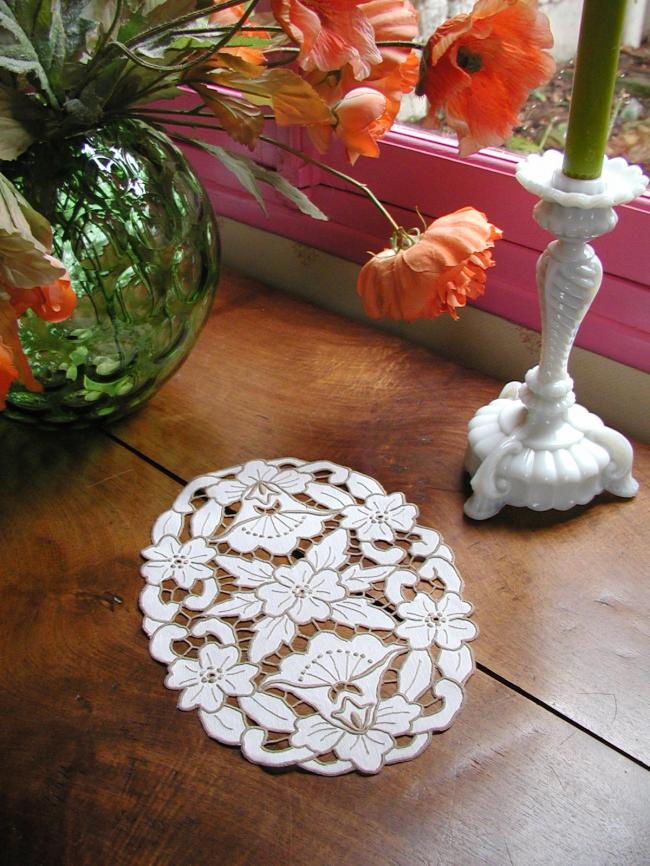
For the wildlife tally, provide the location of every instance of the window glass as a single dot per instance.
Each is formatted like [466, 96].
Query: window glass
[543, 119]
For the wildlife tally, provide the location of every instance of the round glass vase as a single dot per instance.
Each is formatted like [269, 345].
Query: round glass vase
[134, 227]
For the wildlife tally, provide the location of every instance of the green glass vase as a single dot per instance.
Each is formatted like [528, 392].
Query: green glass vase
[134, 227]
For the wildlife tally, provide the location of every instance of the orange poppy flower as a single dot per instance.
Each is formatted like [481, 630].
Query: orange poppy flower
[433, 273]
[480, 67]
[330, 34]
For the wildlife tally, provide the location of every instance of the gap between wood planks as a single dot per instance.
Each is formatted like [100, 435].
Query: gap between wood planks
[479, 666]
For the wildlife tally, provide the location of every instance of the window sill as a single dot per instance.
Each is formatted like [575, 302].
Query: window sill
[419, 169]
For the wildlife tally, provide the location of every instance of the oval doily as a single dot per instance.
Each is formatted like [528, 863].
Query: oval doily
[307, 616]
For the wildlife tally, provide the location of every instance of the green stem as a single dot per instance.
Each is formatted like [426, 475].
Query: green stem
[162, 119]
[156, 67]
[176, 22]
[218, 28]
[399, 43]
[594, 80]
[292, 150]
[237, 26]
[550, 126]
[190, 112]
[97, 55]
[200, 58]
[334, 171]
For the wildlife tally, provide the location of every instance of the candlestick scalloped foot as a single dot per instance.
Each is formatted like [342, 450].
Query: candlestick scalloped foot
[534, 447]
[510, 466]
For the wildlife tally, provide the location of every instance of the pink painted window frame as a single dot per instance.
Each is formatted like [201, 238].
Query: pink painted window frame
[419, 168]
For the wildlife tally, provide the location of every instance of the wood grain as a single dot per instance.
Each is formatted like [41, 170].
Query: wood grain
[99, 767]
[562, 599]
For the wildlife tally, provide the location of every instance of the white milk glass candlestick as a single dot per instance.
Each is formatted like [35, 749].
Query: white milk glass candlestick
[535, 446]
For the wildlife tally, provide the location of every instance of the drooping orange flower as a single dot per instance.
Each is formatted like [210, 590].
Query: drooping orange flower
[330, 33]
[433, 273]
[480, 67]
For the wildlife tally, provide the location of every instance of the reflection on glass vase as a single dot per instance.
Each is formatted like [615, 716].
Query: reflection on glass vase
[134, 227]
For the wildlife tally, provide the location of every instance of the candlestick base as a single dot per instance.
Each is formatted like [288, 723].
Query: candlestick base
[534, 447]
[513, 460]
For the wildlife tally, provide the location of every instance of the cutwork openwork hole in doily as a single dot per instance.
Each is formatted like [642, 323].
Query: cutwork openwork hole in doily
[307, 616]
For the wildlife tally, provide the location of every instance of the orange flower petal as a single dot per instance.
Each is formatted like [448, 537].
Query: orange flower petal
[392, 21]
[361, 121]
[437, 274]
[480, 67]
[53, 303]
[232, 16]
[388, 80]
[11, 343]
[330, 33]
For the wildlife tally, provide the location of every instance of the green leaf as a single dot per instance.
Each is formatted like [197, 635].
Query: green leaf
[17, 216]
[248, 42]
[23, 264]
[150, 13]
[14, 135]
[248, 172]
[242, 121]
[17, 54]
[42, 23]
[79, 31]
[102, 12]
[25, 239]
[14, 138]
[242, 167]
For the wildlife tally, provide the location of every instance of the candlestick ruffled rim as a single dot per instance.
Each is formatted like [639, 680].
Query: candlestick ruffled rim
[622, 182]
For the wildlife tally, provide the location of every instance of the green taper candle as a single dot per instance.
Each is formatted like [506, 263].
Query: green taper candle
[593, 87]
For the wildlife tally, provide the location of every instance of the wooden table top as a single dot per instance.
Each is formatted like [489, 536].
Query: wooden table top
[547, 763]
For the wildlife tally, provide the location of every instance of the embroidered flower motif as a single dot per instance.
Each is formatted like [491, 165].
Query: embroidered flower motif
[443, 622]
[341, 679]
[300, 593]
[379, 517]
[432, 274]
[184, 563]
[311, 590]
[481, 66]
[207, 680]
[269, 515]
[261, 482]
[365, 734]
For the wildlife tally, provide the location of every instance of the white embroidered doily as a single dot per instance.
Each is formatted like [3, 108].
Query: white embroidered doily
[307, 616]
